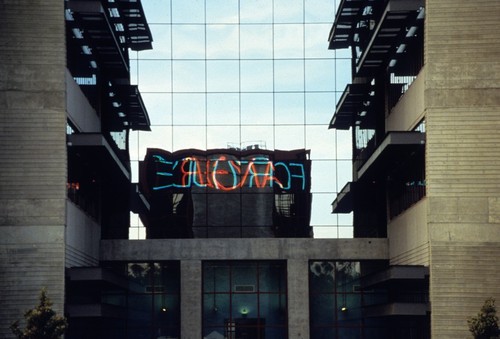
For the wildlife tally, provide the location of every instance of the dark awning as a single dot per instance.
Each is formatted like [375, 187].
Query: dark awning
[353, 107]
[344, 200]
[137, 115]
[94, 148]
[105, 33]
[346, 19]
[389, 34]
[138, 33]
[397, 309]
[395, 147]
[97, 36]
[395, 273]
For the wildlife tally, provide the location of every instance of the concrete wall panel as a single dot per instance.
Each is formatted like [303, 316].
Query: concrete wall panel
[462, 97]
[32, 156]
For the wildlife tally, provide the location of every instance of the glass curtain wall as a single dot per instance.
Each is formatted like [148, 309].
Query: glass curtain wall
[239, 73]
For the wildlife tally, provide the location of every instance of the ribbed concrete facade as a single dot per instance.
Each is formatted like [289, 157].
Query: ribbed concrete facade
[32, 156]
[462, 99]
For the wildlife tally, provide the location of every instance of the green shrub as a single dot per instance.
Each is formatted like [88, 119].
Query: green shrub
[485, 324]
[41, 322]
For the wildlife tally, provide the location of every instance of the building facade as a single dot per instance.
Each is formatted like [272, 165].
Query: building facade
[423, 108]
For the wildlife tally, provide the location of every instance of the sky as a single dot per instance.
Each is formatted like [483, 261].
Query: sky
[241, 72]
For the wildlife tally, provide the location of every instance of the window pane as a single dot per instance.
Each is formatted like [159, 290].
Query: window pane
[322, 309]
[222, 136]
[256, 41]
[189, 76]
[320, 108]
[343, 73]
[344, 173]
[186, 41]
[289, 137]
[256, 76]
[272, 309]
[322, 275]
[288, 11]
[222, 11]
[261, 202]
[320, 75]
[289, 75]
[244, 274]
[289, 108]
[320, 11]
[189, 109]
[188, 11]
[257, 134]
[216, 278]
[222, 42]
[288, 41]
[215, 309]
[161, 41]
[322, 210]
[323, 333]
[222, 76]
[321, 141]
[157, 11]
[326, 232]
[257, 108]
[256, 11]
[159, 107]
[272, 277]
[315, 41]
[343, 145]
[159, 137]
[223, 109]
[346, 232]
[155, 76]
[189, 137]
[323, 174]
[244, 305]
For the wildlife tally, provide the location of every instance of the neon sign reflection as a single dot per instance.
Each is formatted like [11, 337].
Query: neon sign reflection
[221, 173]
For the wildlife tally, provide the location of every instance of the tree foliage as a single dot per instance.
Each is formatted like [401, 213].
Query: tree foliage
[485, 324]
[42, 322]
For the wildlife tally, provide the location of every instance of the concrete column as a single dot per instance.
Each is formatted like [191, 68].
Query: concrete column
[298, 298]
[191, 299]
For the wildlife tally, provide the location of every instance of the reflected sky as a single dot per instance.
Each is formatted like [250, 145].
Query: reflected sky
[239, 72]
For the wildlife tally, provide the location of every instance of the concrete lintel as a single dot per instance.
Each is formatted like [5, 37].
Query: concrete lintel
[245, 249]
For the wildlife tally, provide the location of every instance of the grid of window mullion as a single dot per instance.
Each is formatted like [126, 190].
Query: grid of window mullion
[258, 292]
[278, 127]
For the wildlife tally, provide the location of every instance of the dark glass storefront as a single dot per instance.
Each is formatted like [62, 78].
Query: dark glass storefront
[244, 299]
[125, 300]
[344, 304]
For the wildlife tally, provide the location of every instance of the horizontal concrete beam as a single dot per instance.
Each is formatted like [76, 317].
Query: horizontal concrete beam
[244, 249]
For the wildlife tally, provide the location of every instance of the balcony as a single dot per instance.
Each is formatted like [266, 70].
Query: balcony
[343, 203]
[389, 35]
[393, 149]
[93, 147]
[104, 32]
[85, 293]
[407, 291]
[99, 35]
[355, 107]
[375, 33]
